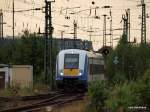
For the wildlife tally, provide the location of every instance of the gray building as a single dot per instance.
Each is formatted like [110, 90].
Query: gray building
[68, 43]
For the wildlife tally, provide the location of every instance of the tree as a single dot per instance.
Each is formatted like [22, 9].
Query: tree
[142, 88]
[98, 94]
[133, 59]
[27, 50]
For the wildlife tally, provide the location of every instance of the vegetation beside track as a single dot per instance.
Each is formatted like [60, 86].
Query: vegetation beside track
[120, 95]
[128, 81]
[18, 91]
[26, 50]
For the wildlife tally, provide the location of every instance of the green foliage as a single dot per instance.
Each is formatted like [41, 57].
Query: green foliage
[27, 50]
[142, 88]
[133, 59]
[119, 78]
[98, 93]
[129, 84]
[121, 95]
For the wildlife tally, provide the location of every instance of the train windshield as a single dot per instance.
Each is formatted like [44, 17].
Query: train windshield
[71, 61]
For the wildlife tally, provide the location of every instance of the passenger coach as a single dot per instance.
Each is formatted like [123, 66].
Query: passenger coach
[78, 67]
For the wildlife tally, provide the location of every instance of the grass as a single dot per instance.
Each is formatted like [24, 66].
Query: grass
[26, 91]
[10, 92]
[5, 93]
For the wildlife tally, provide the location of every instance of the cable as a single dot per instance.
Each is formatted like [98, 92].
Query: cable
[57, 11]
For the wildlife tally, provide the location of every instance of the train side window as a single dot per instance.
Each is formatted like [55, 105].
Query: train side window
[96, 69]
[96, 66]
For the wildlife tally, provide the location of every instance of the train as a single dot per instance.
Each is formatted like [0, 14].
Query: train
[76, 68]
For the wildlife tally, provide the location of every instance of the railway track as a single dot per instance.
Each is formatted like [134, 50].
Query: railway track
[58, 99]
[32, 97]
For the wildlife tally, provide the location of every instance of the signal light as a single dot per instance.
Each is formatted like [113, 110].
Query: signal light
[93, 2]
[105, 51]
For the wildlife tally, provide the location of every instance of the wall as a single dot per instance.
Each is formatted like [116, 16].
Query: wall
[22, 75]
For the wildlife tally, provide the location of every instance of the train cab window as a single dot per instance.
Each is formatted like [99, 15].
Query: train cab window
[71, 61]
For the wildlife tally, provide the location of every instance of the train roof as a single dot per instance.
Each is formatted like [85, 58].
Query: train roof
[94, 55]
[90, 54]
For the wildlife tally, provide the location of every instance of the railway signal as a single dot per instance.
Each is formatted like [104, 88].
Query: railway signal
[105, 50]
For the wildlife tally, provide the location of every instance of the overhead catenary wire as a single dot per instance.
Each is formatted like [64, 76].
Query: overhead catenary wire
[57, 10]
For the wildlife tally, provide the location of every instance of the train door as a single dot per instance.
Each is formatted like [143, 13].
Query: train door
[90, 69]
[2, 80]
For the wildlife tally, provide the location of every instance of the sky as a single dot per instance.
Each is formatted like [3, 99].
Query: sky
[32, 20]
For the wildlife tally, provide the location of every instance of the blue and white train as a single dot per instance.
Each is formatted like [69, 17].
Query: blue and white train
[76, 67]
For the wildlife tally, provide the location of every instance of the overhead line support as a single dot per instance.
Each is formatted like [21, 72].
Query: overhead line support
[1, 24]
[104, 31]
[13, 19]
[143, 24]
[48, 44]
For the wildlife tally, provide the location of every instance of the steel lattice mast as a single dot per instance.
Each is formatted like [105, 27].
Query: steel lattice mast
[48, 44]
[143, 24]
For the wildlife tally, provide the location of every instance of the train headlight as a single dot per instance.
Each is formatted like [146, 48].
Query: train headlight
[80, 72]
[61, 74]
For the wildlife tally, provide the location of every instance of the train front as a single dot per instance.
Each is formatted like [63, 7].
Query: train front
[71, 69]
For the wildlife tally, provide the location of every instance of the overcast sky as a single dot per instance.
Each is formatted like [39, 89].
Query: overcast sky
[34, 19]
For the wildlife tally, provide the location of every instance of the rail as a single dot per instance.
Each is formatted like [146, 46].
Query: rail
[58, 99]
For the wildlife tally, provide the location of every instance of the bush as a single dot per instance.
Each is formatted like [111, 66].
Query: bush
[119, 78]
[134, 60]
[142, 88]
[98, 94]
[121, 96]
